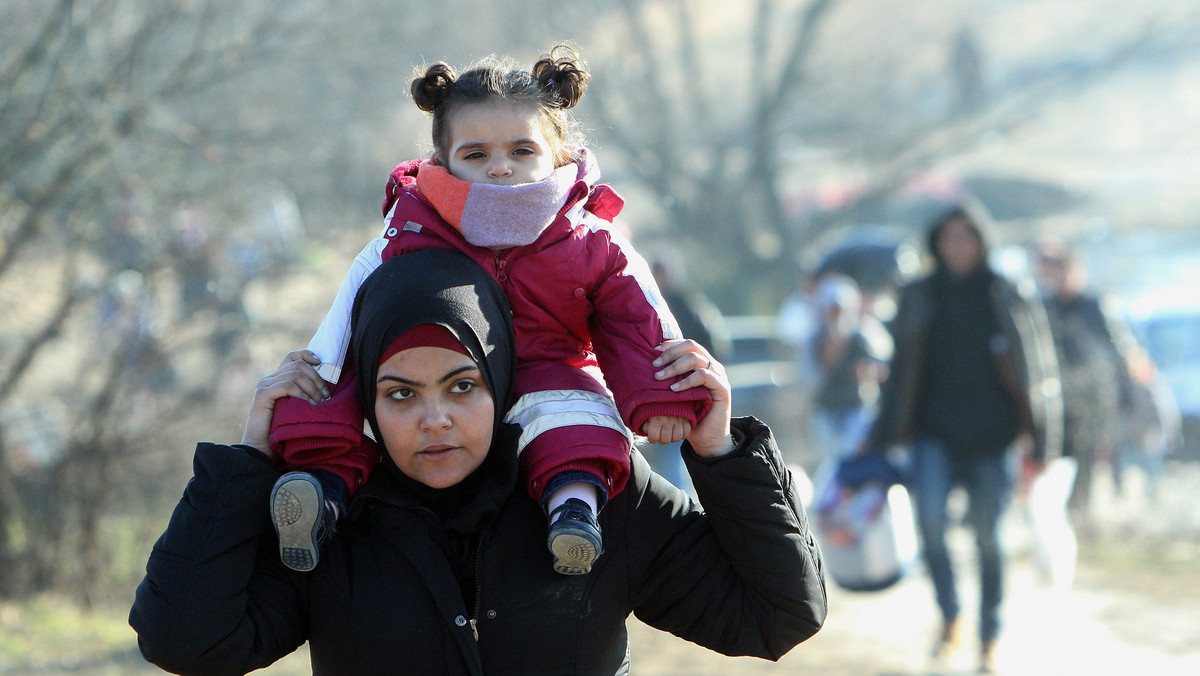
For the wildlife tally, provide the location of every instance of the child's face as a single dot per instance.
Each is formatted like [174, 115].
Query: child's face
[499, 142]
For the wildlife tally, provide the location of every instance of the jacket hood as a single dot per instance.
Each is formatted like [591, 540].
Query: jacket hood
[975, 218]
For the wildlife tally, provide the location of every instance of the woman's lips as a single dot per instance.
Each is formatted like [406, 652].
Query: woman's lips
[437, 452]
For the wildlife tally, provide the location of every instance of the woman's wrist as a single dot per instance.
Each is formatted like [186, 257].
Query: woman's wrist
[261, 448]
[715, 449]
[729, 445]
[257, 453]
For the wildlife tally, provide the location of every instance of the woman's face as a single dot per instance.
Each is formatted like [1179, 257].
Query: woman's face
[959, 246]
[435, 414]
[499, 142]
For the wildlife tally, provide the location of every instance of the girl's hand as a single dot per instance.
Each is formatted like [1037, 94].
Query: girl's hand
[295, 377]
[710, 437]
[667, 429]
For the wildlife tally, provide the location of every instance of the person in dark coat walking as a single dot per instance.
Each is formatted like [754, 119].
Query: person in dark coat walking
[1092, 345]
[435, 570]
[969, 384]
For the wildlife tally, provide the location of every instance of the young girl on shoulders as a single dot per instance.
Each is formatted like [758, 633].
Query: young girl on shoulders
[511, 185]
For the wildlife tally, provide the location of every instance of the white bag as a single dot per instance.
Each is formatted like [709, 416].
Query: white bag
[1052, 539]
[867, 534]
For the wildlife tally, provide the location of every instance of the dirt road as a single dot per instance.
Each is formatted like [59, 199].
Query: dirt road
[1096, 629]
[1118, 618]
[1134, 608]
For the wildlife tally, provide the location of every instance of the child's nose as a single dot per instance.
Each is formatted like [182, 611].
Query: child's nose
[499, 169]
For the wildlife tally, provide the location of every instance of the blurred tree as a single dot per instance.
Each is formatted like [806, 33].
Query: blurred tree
[138, 140]
[89, 89]
[160, 163]
[734, 119]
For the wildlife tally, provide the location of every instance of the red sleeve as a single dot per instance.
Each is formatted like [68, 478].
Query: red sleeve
[327, 436]
[628, 322]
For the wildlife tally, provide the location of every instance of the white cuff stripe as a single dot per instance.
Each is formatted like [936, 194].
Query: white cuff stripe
[539, 412]
[572, 399]
[571, 419]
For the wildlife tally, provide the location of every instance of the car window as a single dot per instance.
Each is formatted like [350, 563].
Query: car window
[1174, 340]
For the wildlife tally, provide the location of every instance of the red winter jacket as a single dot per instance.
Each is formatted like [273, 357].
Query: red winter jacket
[586, 312]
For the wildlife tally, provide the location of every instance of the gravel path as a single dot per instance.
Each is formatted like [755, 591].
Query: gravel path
[1134, 607]
[1094, 629]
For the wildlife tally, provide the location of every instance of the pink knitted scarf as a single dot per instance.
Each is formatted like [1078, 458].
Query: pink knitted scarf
[501, 216]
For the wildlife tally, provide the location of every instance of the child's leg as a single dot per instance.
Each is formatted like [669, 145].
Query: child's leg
[571, 471]
[328, 436]
[574, 454]
[574, 538]
[577, 484]
[557, 439]
[325, 457]
[335, 489]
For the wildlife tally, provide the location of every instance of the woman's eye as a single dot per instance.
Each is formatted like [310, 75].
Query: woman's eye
[400, 393]
[462, 386]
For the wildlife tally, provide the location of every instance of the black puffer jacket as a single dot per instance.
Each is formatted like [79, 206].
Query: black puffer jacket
[743, 577]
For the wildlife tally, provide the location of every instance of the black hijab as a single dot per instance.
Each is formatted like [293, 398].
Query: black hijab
[443, 287]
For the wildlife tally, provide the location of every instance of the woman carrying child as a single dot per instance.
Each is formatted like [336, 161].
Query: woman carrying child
[435, 569]
[510, 186]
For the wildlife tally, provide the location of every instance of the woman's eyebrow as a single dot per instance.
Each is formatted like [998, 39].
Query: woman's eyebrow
[414, 383]
[398, 379]
[457, 371]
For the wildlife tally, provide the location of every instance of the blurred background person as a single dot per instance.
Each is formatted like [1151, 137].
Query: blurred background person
[1089, 341]
[850, 351]
[697, 316]
[699, 319]
[965, 390]
[1151, 427]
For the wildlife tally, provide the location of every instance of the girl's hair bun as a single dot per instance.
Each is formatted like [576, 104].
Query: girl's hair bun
[433, 88]
[563, 74]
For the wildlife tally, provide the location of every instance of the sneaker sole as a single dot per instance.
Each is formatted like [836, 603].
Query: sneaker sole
[573, 553]
[295, 507]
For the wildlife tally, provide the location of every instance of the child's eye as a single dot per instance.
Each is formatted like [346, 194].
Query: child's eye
[474, 155]
[524, 151]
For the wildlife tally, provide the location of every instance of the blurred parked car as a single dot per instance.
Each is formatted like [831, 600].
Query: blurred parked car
[1167, 322]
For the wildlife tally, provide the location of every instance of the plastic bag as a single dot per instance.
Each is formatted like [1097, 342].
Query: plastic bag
[864, 522]
[1052, 539]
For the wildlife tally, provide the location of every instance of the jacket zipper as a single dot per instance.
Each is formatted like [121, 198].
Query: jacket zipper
[478, 562]
[501, 257]
[478, 584]
[501, 262]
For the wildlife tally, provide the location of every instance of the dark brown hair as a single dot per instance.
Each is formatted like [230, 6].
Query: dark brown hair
[554, 85]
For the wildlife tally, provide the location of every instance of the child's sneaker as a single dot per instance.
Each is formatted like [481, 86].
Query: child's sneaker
[302, 519]
[574, 538]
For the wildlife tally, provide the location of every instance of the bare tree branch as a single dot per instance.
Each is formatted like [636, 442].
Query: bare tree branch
[68, 299]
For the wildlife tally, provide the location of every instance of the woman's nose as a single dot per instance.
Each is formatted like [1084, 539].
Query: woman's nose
[435, 417]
